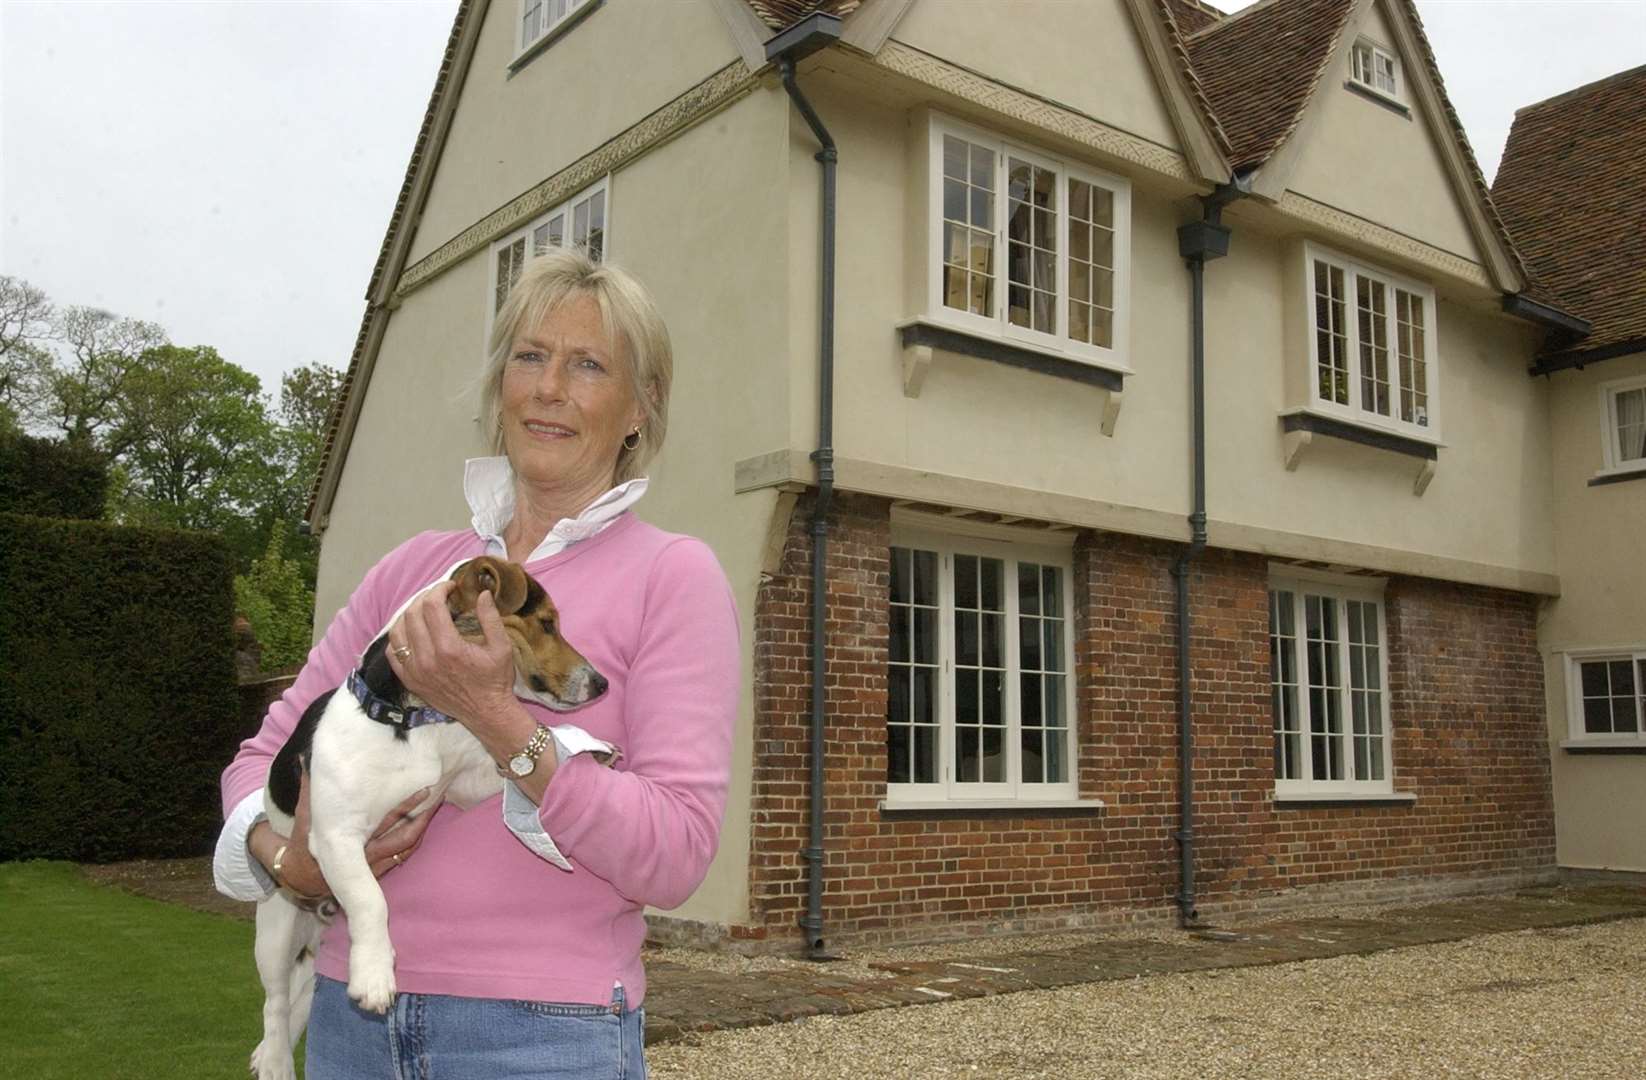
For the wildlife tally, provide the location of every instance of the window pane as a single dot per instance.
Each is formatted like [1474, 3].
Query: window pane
[954, 200]
[993, 631]
[925, 635]
[925, 578]
[1031, 245]
[992, 701]
[1597, 716]
[1028, 588]
[1414, 375]
[955, 152]
[911, 715]
[1029, 699]
[925, 755]
[994, 755]
[967, 743]
[992, 576]
[1629, 407]
[1372, 309]
[1033, 764]
[965, 581]
[965, 638]
[1325, 688]
[1595, 682]
[1331, 334]
[1282, 674]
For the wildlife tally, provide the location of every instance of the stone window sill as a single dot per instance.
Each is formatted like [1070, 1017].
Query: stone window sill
[1343, 798]
[939, 808]
[1603, 746]
[1300, 426]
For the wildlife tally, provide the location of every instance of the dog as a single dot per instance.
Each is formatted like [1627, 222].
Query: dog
[366, 747]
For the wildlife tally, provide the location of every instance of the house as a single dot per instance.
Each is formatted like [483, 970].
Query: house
[1056, 412]
[1572, 187]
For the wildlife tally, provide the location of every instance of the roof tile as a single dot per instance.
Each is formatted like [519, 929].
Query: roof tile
[1572, 188]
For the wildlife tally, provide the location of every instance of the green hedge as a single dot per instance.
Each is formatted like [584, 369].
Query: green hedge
[51, 479]
[117, 692]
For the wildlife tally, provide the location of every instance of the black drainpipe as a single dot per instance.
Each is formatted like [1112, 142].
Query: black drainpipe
[788, 48]
[1197, 241]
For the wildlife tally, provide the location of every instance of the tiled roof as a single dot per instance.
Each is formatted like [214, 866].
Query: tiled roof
[1192, 15]
[1172, 14]
[1259, 68]
[1572, 188]
[781, 14]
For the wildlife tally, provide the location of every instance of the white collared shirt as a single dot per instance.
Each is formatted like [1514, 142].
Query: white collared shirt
[489, 488]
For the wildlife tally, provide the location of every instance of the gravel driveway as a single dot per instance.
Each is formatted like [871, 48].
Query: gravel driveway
[1564, 1003]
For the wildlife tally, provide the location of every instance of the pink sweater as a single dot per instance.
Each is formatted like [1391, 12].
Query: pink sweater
[474, 913]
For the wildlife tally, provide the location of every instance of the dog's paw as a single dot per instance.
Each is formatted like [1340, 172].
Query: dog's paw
[372, 987]
[270, 1062]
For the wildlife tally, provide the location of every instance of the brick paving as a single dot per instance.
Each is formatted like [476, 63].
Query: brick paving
[682, 999]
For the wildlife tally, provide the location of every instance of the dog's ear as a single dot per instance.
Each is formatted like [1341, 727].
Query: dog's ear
[506, 581]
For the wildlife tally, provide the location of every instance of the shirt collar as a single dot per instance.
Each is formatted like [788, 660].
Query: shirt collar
[488, 485]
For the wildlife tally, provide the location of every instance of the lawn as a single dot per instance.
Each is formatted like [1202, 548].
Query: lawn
[98, 983]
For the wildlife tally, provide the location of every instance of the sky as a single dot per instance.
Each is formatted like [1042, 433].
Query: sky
[227, 168]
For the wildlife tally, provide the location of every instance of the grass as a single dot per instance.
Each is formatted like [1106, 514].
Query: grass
[97, 983]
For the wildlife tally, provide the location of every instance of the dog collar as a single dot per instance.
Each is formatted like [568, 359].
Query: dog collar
[386, 712]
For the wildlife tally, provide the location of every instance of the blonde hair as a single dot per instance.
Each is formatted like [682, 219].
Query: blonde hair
[632, 323]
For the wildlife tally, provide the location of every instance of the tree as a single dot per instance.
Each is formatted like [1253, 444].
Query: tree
[279, 604]
[104, 349]
[25, 323]
[196, 447]
[307, 395]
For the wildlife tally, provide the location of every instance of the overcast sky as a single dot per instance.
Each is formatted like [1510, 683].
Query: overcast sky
[226, 168]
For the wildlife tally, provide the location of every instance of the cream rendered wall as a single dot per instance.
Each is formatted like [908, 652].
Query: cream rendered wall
[511, 131]
[1363, 157]
[1599, 799]
[701, 220]
[973, 418]
[1489, 499]
[1084, 55]
[1487, 504]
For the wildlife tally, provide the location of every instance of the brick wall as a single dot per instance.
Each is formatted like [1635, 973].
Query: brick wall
[1466, 704]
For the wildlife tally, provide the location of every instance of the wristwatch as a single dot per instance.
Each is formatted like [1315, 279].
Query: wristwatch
[524, 762]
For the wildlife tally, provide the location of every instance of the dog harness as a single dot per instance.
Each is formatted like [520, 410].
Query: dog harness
[387, 712]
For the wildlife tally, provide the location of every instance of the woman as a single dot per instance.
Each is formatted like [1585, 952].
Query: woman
[508, 965]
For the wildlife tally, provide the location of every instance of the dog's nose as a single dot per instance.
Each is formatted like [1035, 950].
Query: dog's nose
[597, 684]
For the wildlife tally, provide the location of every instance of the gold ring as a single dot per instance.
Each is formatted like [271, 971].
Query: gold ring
[403, 652]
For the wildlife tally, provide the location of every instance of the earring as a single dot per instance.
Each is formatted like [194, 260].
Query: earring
[631, 441]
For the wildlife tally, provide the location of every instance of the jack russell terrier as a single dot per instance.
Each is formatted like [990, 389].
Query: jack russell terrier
[367, 747]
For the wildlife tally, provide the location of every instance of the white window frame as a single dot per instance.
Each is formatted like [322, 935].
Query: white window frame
[1614, 462]
[998, 542]
[566, 211]
[1117, 356]
[1577, 730]
[549, 23]
[1300, 583]
[1354, 412]
[1364, 68]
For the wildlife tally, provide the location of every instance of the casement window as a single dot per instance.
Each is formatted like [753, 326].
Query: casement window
[1028, 247]
[1376, 69]
[539, 18]
[578, 222]
[980, 693]
[1623, 409]
[1607, 697]
[1328, 669]
[1372, 345]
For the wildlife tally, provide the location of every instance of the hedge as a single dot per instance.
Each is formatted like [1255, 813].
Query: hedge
[51, 479]
[117, 689]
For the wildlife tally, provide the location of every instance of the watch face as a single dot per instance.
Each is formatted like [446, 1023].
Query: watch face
[521, 765]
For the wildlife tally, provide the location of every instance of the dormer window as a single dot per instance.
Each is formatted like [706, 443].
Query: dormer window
[1376, 69]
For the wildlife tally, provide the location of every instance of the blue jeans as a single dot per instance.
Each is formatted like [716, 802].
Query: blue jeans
[436, 1037]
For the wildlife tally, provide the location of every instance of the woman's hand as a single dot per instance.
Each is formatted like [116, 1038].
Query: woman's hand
[394, 840]
[467, 679]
